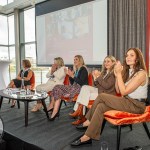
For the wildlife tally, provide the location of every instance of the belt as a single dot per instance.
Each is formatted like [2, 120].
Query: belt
[140, 100]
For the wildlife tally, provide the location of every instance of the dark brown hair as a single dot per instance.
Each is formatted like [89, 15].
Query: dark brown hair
[140, 64]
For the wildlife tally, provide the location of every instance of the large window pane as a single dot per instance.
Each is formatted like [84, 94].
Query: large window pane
[3, 30]
[29, 25]
[13, 62]
[3, 2]
[10, 1]
[11, 30]
[4, 53]
[40, 72]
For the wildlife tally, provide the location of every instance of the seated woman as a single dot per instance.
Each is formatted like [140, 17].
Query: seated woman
[131, 82]
[25, 73]
[56, 76]
[104, 83]
[78, 78]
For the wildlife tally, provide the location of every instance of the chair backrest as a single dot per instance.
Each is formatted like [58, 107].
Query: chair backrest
[148, 93]
[66, 81]
[32, 81]
[90, 79]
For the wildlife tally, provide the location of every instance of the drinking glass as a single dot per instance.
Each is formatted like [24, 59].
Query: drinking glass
[104, 146]
[28, 88]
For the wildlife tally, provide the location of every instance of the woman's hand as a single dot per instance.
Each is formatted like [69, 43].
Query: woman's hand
[54, 68]
[118, 68]
[65, 70]
[96, 74]
[70, 73]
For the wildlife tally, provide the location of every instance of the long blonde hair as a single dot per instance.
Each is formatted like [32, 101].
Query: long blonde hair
[104, 70]
[81, 60]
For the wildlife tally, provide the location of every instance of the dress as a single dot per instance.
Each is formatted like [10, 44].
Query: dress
[71, 90]
[23, 73]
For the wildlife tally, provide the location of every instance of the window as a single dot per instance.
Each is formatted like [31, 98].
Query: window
[4, 53]
[30, 53]
[3, 30]
[10, 1]
[11, 30]
[12, 67]
[29, 25]
[30, 50]
[3, 2]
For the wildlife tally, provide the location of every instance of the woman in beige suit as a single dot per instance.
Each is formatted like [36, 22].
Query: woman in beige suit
[56, 76]
[104, 82]
[131, 82]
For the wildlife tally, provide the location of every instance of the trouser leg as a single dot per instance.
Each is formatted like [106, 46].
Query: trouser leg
[105, 102]
[85, 95]
[94, 128]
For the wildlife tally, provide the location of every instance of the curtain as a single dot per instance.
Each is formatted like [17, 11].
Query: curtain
[126, 26]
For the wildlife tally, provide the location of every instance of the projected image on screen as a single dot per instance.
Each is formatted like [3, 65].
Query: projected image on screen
[70, 32]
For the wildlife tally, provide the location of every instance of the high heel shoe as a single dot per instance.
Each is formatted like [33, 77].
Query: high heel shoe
[13, 104]
[78, 112]
[56, 115]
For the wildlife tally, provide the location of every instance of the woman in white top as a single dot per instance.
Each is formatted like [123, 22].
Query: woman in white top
[56, 76]
[131, 82]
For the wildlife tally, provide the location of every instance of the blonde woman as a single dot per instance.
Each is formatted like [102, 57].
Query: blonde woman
[56, 76]
[78, 78]
[104, 82]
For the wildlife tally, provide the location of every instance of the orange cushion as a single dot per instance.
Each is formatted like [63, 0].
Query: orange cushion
[119, 114]
[120, 118]
[32, 81]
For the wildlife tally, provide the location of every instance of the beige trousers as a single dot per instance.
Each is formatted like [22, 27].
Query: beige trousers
[105, 102]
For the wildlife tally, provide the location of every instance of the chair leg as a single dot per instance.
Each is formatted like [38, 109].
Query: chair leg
[103, 125]
[118, 136]
[18, 103]
[146, 129]
[9, 101]
[130, 125]
[65, 103]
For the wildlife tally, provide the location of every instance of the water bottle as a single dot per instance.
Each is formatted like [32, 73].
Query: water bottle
[22, 83]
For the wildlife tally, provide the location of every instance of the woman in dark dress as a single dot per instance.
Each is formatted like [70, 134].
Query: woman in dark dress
[25, 74]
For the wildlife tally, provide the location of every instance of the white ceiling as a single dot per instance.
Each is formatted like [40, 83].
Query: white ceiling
[18, 4]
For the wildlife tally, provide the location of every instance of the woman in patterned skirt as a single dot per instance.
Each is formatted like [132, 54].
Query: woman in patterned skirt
[78, 77]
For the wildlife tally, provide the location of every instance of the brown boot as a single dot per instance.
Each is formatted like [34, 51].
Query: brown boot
[79, 121]
[78, 112]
